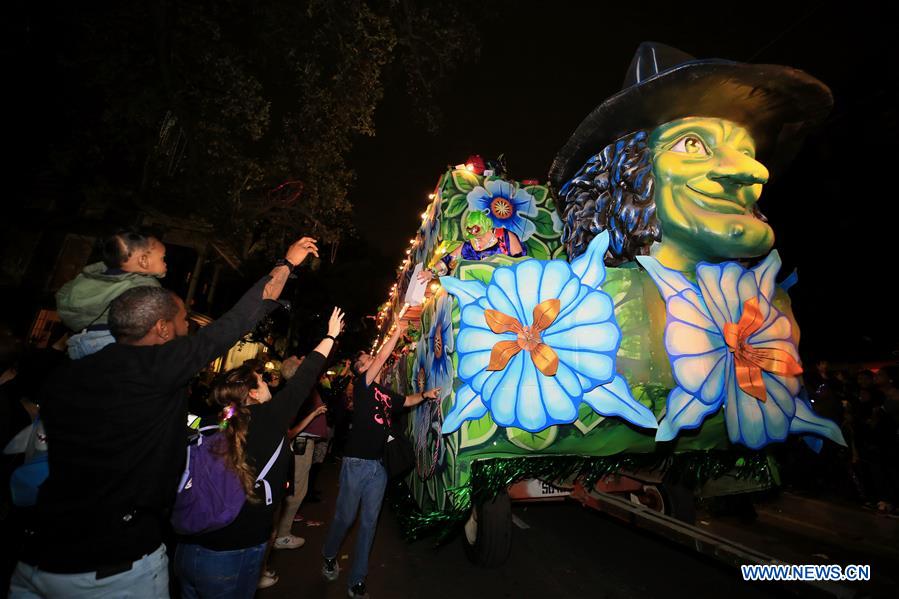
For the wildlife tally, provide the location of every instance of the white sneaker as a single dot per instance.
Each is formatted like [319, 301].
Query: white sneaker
[289, 542]
[267, 580]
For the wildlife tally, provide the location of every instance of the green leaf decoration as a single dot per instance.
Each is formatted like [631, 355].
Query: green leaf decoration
[544, 223]
[540, 193]
[587, 419]
[476, 271]
[455, 206]
[617, 282]
[532, 441]
[465, 181]
[449, 230]
[538, 249]
[477, 432]
[559, 253]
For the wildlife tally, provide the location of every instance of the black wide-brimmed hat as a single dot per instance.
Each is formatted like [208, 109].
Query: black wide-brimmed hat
[777, 104]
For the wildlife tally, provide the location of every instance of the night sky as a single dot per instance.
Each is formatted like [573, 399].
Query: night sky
[542, 67]
[545, 65]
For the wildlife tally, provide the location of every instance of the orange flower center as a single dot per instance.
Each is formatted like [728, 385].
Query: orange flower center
[527, 338]
[751, 361]
[501, 207]
[438, 342]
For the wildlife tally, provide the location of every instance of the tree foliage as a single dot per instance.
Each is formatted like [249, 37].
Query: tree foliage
[242, 113]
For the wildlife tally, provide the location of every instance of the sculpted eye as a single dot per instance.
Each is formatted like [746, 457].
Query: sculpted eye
[690, 144]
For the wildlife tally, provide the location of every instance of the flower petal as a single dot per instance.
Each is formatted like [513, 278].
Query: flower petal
[765, 274]
[751, 422]
[670, 282]
[689, 307]
[471, 364]
[502, 293]
[559, 402]
[682, 338]
[556, 274]
[589, 266]
[527, 287]
[807, 421]
[615, 399]
[501, 390]
[467, 406]
[693, 371]
[501, 354]
[522, 227]
[473, 339]
[719, 286]
[530, 414]
[466, 292]
[683, 411]
[594, 337]
[594, 307]
[597, 368]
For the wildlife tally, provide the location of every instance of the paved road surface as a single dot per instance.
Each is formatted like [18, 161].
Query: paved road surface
[567, 551]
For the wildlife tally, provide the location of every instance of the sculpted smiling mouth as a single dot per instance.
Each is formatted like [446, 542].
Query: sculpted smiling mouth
[723, 204]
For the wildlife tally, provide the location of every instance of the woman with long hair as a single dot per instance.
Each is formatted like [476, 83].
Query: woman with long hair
[227, 562]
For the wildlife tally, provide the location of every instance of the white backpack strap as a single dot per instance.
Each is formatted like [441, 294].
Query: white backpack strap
[264, 471]
[185, 477]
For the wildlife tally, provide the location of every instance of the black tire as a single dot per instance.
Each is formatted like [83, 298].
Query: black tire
[489, 542]
[679, 502]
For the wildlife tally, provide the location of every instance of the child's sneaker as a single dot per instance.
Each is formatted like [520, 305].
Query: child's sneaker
[330, 569]
[357, 591]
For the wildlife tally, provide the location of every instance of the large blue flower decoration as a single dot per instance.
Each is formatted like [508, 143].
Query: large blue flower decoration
[536, 342]
[505, 203]
[440, 344]
[729, 346]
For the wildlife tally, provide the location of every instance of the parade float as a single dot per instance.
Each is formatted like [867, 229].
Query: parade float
[629, 332]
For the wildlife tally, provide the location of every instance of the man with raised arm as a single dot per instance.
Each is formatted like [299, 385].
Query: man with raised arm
[362, 476]
[115, 422]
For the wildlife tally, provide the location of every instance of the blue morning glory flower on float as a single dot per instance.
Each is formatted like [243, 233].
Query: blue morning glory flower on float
[505, 203]
[537, 341]
[730, 347]
[439, 345]
[420, 366]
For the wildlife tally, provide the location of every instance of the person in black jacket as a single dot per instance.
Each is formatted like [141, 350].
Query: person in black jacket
[226, 563]
[115, 424]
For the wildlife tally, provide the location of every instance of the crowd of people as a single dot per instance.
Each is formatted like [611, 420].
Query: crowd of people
[866, 406]
[125, 497]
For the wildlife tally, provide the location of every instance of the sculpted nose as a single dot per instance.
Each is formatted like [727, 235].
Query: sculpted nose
[735, 168]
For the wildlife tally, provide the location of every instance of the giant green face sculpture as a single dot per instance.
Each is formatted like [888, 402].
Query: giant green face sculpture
[707, 182]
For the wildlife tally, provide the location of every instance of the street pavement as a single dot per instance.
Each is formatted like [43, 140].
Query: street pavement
[559, 550]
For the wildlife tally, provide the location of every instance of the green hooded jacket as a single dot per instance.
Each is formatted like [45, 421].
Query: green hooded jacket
[83, 301]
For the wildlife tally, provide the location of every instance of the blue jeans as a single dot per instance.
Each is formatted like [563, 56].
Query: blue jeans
[147, 578]
[361, 482]
[88, 342]
[206, 573]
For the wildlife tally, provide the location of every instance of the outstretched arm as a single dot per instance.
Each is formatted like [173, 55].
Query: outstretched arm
[417, 398]
[303, 377]
[381, 359]
[181, 359]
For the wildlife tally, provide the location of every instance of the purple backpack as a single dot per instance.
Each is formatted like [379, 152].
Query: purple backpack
[210, 495]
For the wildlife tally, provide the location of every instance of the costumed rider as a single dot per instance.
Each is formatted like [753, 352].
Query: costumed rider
[481, 240]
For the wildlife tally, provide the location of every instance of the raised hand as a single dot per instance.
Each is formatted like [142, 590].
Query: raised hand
[297, 252]
[335, 323]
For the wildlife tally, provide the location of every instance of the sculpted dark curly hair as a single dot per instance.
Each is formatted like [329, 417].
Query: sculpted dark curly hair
[612, 191]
